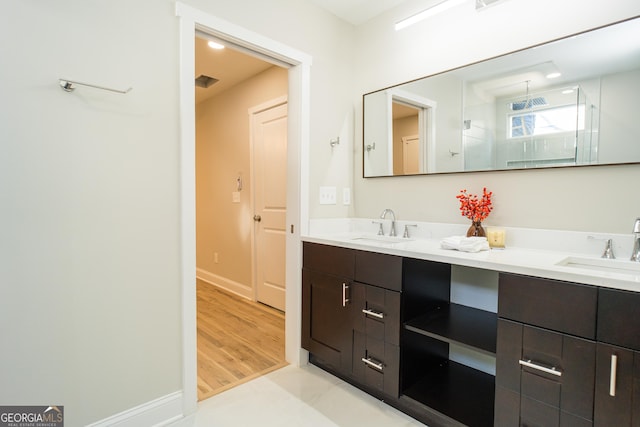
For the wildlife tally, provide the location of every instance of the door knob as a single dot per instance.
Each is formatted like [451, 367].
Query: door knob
[257, 218]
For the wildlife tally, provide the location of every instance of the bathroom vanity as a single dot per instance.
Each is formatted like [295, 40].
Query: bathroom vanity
[458, 339]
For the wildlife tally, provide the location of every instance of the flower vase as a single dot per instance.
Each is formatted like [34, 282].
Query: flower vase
[476, 230]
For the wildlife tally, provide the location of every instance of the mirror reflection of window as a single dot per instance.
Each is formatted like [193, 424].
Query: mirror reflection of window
[406, 143]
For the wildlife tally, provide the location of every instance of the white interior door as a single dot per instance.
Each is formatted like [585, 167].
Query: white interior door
[269, 130]
[411, 154]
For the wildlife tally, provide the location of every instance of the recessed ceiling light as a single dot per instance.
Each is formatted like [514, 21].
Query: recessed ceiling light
[214, 45]
[567, 91]
[553, 75]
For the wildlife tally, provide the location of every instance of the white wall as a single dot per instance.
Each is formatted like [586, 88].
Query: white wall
[89, 219]
[89, 256]
[619, 118]
[587, 199]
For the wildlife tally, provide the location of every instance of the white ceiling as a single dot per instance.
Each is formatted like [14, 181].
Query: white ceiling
[357, 11]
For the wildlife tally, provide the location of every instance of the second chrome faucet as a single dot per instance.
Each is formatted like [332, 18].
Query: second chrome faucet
[635, 252]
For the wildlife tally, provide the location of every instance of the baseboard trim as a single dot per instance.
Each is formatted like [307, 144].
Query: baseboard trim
[224, 283]
[159, 412]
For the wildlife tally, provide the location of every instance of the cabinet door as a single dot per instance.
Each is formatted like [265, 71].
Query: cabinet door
[635, 415]
[616, 396]
[327, 319]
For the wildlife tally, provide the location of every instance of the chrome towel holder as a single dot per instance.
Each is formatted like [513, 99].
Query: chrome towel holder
[68, 86]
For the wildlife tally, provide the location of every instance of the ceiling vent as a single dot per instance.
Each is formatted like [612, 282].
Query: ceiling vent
[205, 81]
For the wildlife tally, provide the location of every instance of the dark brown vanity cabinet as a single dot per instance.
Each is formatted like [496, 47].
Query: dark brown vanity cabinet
[617, 400]
[351, 314]
[565, 354]
[546, 353]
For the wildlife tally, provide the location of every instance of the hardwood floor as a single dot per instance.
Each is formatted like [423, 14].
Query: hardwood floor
[238, 340]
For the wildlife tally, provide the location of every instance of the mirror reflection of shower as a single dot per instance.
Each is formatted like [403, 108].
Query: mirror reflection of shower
[534, 128]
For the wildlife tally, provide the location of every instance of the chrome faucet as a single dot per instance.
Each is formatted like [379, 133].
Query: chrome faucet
[608, 250]
[392, 231]
[635, 252]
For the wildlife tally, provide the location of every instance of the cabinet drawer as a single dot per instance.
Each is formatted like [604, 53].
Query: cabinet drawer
[329, 259]
[379, 270]
[573, 358]
[378, 312]
[559, 306]
[535, 413]
[376, 364]
[618, 314]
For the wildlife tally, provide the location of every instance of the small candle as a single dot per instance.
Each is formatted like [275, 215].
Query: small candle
[496, 237]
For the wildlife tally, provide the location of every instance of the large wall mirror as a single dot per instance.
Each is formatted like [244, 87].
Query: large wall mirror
[570, 102]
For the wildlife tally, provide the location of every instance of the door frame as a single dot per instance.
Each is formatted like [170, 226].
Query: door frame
[190, 20]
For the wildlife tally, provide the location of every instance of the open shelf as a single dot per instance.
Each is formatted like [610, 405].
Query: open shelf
[457, 391]
[459, 324]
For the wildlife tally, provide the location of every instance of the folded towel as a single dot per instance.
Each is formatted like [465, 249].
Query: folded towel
[465, 244]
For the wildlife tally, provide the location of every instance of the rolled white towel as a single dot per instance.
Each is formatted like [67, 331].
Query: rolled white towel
[452, 242]
[465, 244]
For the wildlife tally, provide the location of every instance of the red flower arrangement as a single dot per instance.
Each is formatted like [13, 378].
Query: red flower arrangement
[474, 208]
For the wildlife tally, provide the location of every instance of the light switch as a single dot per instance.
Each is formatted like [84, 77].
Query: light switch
[327, 195]
[235, 197]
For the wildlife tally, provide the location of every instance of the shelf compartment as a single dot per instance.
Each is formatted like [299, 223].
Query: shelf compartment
[457, 391]
[465, 326]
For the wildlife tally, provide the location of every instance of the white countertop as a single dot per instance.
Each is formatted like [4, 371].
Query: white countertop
[530, 261]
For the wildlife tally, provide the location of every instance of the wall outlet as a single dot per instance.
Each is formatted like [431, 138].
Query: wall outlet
[328, 195]
[346, 196]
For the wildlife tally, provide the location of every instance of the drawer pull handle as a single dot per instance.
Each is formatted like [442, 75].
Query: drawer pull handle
[345, 300]
[376, 365]
[549, 370]
[614, 374]
[377, 314]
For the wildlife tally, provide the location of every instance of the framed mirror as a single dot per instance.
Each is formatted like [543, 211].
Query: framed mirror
[570, 102]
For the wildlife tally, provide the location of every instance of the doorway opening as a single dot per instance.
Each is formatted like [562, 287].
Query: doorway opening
[241, 158]
[299, 63]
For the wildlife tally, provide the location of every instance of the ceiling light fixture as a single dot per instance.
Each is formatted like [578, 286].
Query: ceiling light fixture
[439, 8]
[214, 45]
[554, 75]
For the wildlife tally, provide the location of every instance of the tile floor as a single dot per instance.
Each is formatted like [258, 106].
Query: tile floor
[295, 397]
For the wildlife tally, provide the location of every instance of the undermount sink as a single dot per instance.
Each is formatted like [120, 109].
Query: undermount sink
[381, 239]
[602, 264]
